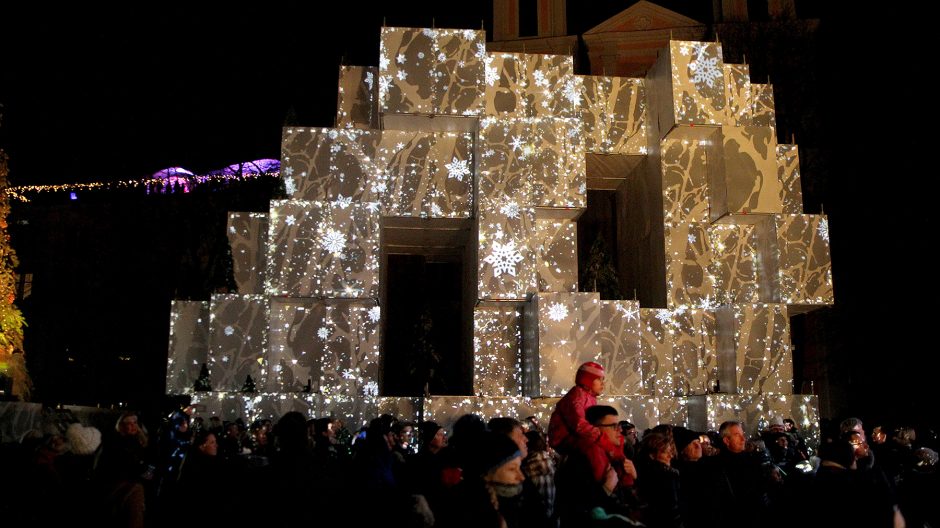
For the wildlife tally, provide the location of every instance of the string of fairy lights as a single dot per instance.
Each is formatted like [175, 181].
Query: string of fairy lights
[21, 192]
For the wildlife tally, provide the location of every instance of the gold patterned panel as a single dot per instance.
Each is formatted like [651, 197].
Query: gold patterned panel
[738, 93]
[497, 351]
[695, 350]
[736, 265]
[620, 350]
[805, 268]
[614, 114]
[528, 85]
[643, 412]
[685, 180]
[507, 252]
[349, 337]
[698, 83]
[238, 331]
[428, 175]
[674, 411]
[189, 344]
[357, 99]
[756, 412]
[788, 170]
[689, 279]
[557, 255]
[247, 235]
[231, 406]
[762, 101]
[656, 340]
[431, 71]
[537, 161]
[567, 324]
[328, 164]
[322, 249]
[750, 160]
[294, 350]
[763, 358]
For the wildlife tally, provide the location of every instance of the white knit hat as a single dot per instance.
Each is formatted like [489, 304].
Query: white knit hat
[84, 440]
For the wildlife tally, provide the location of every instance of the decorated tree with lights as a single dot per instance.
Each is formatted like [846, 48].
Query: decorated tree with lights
[599, 274]
[12, 359]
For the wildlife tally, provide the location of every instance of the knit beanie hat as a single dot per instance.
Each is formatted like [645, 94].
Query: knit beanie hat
[84, 440]
[497, 450]
[428, 430]
[587, 373]
[683, 437]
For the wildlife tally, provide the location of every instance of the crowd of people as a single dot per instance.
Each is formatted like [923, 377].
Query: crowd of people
[588, 467]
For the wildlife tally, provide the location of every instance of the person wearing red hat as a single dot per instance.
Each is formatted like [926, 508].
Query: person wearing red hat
[568, 429]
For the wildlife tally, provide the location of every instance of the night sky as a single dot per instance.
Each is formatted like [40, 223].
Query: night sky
[202, 86]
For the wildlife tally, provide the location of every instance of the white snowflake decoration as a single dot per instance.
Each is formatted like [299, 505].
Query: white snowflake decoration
[374, 314]
[572, 92]
[402, 75]
[540, 79]
[342, 202]
[436, 210]
[400, 59]
[383, 63]
[229, 330]
[630, 314]
[290, 220]
[457, 169]
[510, 209]
[373, 207]
[288, 171]
[289, 186]
[323, 333]
[557, 312]
[705, 70]
[334, 242]
[481, 51]
[371, 389]
[349, 374]
[231, 229]
[664, 316]
[692, 238]
[491, 75]
[823, 229]
[368, 80]
[516, 143]
[504, 258]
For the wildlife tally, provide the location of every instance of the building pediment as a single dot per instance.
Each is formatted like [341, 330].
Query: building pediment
[643, 16]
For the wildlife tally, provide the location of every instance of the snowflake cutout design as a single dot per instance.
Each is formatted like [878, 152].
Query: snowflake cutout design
[572, 92]
[323, 333]
[692, 238]
[402, 75]
[664, 316]
[705, 70]
[334, 242]
[342, 202]
[400, 59]
[504, 258]
[371, 389]
[492, 75]
[510, 209]
[374, 314]
[557, 312]
[540, 79]
[229, 330]
[516, 143]
[629, 314]
[823, 229]
[349, 374]
[290, 220]
[457, 169]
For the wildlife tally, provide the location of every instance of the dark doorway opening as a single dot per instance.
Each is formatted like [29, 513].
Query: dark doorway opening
[423, 334]
[599, 251]
[428, 294]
